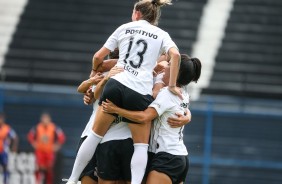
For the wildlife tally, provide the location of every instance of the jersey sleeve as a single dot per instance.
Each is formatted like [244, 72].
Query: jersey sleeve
[167, 43]
[112, 41]
[162, 102]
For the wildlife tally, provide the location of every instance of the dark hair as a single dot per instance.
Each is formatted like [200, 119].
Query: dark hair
[151, 9]
[190, 70]
[114, 54]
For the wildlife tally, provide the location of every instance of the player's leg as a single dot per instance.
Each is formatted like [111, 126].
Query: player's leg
[149, 163]
[88, 147]
[140, 134]
[123, 182]
[40, 166]
[50, 161]
[88, 180]
[155, 177]
[102, 181]
[102, 123]
[167, 169]
[125, 153]
[88, 175]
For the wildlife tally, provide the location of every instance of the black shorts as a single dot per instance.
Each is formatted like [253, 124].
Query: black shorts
[90, 169]
[175, 166]
[114, 158]
[125, 97]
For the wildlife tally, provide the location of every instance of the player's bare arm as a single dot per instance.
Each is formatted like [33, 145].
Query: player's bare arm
[107, 65]
[98, 58]
[174, 69]
[180, 119]
[146, 116]
[85, 85]
[137, 116]
[100, 86]
[156, 89]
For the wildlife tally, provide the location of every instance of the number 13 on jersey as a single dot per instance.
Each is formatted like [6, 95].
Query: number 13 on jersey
[140, 43]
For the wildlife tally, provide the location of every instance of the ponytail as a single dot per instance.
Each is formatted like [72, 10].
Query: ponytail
[190, 70]
[151, 9]
[197, 68]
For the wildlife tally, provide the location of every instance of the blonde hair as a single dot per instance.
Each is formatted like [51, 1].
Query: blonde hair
[151, 9]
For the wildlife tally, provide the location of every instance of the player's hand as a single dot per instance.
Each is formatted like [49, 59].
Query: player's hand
[115, 70]
[109, 107]
[160, 67]
[97, 78]
[175, 90]
[88, 97]
[180, 120]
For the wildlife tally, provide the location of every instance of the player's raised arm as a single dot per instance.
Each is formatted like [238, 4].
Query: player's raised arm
[100, 86]
[93, 80]
[98, 58]
[107, 65]
[174, 68]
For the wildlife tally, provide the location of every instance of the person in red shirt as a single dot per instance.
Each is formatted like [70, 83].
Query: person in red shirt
[8, 142]
[46, 138]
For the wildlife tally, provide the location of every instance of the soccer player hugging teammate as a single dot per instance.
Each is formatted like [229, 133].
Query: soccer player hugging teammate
[140, 43]
[169, 163]
[88, 175]
[114, 152]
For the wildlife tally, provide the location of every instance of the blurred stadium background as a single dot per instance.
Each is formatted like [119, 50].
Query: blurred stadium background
[235, 136]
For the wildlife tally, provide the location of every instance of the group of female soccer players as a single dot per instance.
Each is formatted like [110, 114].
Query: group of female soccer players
[126, 117]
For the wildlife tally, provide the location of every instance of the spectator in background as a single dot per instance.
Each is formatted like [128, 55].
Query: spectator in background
[46, 138]
[8, 139]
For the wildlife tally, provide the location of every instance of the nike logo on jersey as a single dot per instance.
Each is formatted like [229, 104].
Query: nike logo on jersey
[141, 32]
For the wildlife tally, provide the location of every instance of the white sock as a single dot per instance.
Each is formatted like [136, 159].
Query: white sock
[84, 155]
[139, 162]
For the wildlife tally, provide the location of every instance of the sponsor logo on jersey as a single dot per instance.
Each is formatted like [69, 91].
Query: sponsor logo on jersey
[141, 32]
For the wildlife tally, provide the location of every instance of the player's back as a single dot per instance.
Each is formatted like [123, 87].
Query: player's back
[140, 44]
